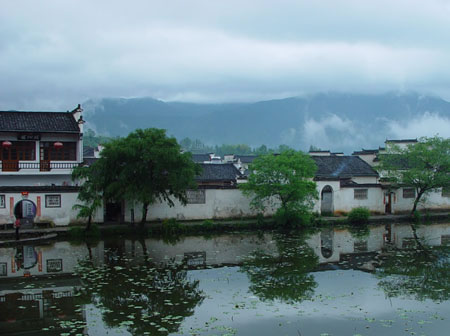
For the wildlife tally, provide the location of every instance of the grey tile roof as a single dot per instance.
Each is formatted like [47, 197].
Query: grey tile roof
[246, 158]
[59, 122]
[218, 172]
[366, 152]
[335, 167]
[199, 158]
[88, 152]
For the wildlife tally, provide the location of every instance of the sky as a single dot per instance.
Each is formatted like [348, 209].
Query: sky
[55, 54]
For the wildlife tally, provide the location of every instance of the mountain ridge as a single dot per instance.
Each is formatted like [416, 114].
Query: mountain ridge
[344, 121]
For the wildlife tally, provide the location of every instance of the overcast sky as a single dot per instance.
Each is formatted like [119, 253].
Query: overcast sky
[55, 54]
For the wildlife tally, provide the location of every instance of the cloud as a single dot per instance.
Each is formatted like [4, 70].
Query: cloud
[429, 124]
[332, 133]
[54, 55]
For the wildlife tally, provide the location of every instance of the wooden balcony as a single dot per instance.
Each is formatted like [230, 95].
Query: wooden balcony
[43, 166]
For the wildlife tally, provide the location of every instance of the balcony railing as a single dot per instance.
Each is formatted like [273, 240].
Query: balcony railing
[14, 166]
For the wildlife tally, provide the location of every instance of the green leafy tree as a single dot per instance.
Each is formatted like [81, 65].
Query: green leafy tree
[286, 178]
[145, 167]
[285, 275]
[91, 191]
[424, 165]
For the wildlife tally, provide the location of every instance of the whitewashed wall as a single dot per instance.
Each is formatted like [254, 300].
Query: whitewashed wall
[219, 203]
[343, 198]
[433, 201]
[60, 216]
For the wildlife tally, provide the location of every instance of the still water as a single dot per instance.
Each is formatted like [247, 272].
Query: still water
[330, 282]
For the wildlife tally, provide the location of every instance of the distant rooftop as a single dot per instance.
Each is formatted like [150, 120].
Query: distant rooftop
[218, 172]
[401, 141]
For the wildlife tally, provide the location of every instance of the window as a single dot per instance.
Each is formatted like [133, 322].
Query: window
[409, 193]
[446, 192]
[196, 196]
[54, 265]
[360, 194]
[3, 269]
[52, 201]
[19, 150]
[68, 151]
[2, 201]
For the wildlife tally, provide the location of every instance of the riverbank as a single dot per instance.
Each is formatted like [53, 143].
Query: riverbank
[192, 227]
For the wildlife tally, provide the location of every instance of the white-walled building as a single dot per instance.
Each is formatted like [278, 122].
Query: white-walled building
[38, 153]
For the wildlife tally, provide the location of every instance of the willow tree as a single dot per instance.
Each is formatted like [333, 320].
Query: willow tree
[145, 167]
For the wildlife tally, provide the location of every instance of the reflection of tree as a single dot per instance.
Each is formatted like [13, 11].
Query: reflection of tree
[285, 276]
[142, 298]
[417, 273]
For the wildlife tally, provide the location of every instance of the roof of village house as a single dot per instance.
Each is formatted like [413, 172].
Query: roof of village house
[366, 152]
[47, 122]
[335, 167]
[246, 158]
[400, 140]
[199, 158]
[218, 172]
[88, 152]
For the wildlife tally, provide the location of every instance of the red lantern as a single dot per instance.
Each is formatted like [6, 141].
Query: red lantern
[6, 144]
[58, 145]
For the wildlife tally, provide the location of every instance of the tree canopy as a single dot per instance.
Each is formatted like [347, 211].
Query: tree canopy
[286, 178]
[144, 167]
[424, 165]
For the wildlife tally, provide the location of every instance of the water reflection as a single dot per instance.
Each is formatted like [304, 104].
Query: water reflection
[285, 276]
[147, 286]
[418, 274]
[143, 298]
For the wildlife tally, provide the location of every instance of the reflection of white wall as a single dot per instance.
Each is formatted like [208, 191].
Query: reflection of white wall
[431, 234]
[69, 254]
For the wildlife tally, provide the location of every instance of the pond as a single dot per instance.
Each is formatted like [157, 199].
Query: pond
[376, 281]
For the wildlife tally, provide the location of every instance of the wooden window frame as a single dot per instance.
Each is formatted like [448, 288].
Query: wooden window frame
[22, 149]
[48, 152]
[47, 197]
[2, 201]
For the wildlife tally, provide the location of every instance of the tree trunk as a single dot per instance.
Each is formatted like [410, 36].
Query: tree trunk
[416, 202]
[413, 225]
[88, 226]
[144, 213]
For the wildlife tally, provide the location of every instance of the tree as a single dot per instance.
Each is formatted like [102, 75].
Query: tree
[425, 166]
[91, 191]
[145, 167]
[287, 178]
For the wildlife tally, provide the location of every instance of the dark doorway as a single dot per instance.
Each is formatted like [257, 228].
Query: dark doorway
[388, 200]
[25, 211]
[113, 212]
[326, 204]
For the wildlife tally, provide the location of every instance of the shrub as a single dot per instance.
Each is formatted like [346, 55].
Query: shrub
[292, 218]
[359, 216]
[171, 226]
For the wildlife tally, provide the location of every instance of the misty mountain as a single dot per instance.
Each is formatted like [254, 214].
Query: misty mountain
[335, 121]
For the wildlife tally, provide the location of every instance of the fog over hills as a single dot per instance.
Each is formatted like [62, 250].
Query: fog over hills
[335, 121]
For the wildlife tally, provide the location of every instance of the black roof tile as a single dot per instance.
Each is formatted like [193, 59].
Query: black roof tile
[218, 172]
[199, 158]
[342, 167]
[54, 122]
